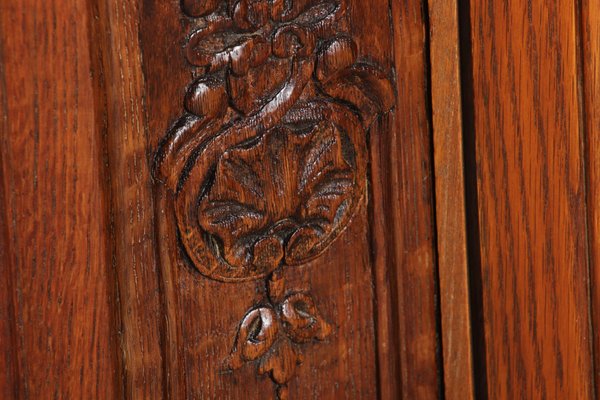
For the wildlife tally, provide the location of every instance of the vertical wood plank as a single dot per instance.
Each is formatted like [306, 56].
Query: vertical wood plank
[122, 117]
[55, 275]
[9, 381]
[590, 34]
[450, 199]
[531, 199]
[204, 314]
[407, 181]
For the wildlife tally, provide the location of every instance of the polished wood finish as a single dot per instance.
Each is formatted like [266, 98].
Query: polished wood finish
[407, 178]
[58, 336]
[590, 62]
[121, 123]
[450, 200]
[531, 189]
[299, 199]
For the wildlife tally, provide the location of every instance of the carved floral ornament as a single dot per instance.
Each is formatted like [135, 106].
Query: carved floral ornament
[267, 164]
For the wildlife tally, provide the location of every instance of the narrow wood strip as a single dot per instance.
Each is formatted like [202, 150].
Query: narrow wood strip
[450, 199]
[121, 116]
[410, 208]
[531, 199]
[9, 381]
[590, 32]
[384, 266]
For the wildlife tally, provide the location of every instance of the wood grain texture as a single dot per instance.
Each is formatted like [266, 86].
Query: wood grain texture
[590, 62]
[345, 364]
[531, 199]
[450, 199]
[56, 292]
[121, 121]
[267, 164]
[406, 181]
[410, 186]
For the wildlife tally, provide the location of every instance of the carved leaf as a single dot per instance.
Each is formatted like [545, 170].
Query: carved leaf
[281, 362]
[288, 186]
[257, 333]
[229, 216]
[302, 320]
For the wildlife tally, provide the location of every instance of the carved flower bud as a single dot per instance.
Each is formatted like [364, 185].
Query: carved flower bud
[337, 55]
[199, 8]
[302, 320]
[250, 15]
[258, 331]
[292, 40]
[206, 97]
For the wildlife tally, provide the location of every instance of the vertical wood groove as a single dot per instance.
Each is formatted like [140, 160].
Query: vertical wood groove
[450, 200]
[472, 204]
[590, 63]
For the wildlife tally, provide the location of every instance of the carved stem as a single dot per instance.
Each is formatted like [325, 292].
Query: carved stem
[276, 286]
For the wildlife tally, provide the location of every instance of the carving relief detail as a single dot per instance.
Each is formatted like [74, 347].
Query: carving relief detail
[267, 164]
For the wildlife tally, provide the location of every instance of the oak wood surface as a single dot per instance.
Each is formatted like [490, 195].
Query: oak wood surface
[121, 122]
[198, 339]
[531, 189]
[103, 289]
[58, 338]
[590, 63]
[450, 203]
[405, 179]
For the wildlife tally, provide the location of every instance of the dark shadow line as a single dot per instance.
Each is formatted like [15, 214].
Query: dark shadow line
[475, 273]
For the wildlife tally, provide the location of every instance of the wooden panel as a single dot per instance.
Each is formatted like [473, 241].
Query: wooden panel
[406, 178]
[55, 266]
[344, 364]
[590, 34]
[531, 199]
[121, 121]
[450, 199]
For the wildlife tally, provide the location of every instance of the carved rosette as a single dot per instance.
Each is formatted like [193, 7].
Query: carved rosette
[267, 165]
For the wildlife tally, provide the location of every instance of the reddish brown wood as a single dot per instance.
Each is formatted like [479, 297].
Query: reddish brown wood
[199, 345]
[55, 287]
[590, 62]
[531, 199]
[450, 200]
[121, 121]
[406, 183]
[107, 294]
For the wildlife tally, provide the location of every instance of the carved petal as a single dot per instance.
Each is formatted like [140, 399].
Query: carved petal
[257, 333]
[302, 320]
[281, 362]
[229, 216]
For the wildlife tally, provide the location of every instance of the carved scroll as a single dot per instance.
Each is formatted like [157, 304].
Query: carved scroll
[267, 164]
